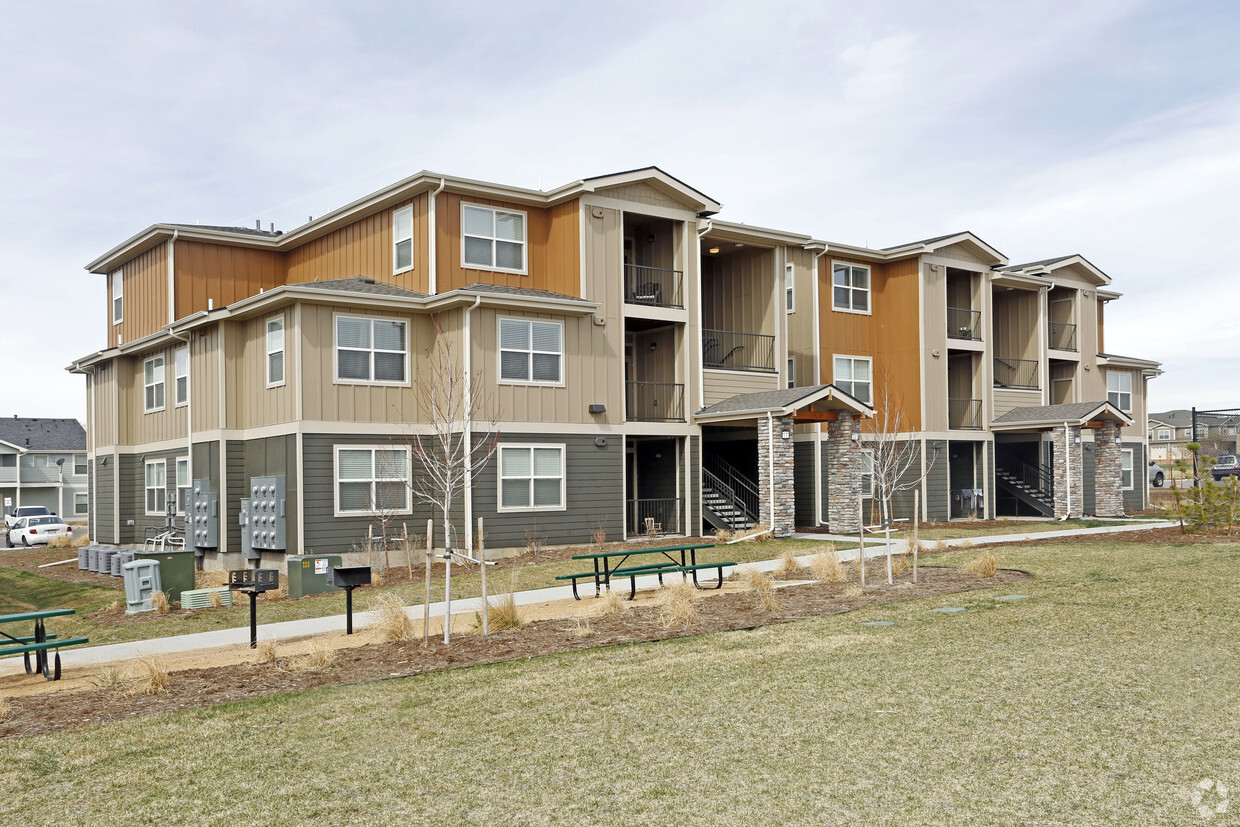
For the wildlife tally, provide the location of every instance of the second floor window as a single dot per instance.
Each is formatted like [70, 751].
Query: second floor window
[789, 277]
[275, 351]
[180, 360]
[402, 240]
[118, 296]
[1164, 434]
[371, 350]
[1119, 389]
[153, 383]
[853, 376]
[492, 239]
[79, 464]
[850, 287]
[531, 351]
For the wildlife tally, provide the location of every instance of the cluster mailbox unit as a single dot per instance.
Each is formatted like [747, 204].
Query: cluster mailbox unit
[251, 582]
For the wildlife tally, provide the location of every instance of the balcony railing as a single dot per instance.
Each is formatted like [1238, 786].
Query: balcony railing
[1062, 336]
[1016, 373]
[652, 285]
[8, 475]
[964, 414]
[730, 350]
[964, 324]
[35, 473]
[655, 517]
[654, 401]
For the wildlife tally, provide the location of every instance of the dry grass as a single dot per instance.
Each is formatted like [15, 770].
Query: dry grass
[984, 565]
[937, 546]
[504, 614]
[6, 709]
[826, 567]
[900, 563]
[63, 541]
[789, 567]
[217, 600]
[320, 656]
[678, 605]
[763, 587]
[965, 544]
[145, 676]
[583, 629]
[114, 608]
[107, 677]
[376, 578]
[392, 623]
[758, 534]
[266, 650]
[611, 603]
[84, 540]
[853, 591]
[160, 601]
[210, 579]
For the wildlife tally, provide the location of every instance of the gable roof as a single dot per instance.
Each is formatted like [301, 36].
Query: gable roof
[43, 434]
[930, 245]
[657, 178]
[1048, 266]
[781, 402]
[1046, 416]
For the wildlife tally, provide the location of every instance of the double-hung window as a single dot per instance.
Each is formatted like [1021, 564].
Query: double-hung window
[493, 239]
[1164, 434]
[867, 472]
[1125, 469]
[850, 287]
[402, 240]
[79, 464]
[156, 486]
[372, 350]
[275, 351]
[853, 376]
[153, 383]
[118, 296]
[180, 361]
[372, 480]
[531, 352]
[80, 503]
[183, 483]
[1119, 389]
[792, 372]
[789, 276]
[531, 477]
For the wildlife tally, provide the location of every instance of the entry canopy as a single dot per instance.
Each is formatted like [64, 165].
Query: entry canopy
[1043, 417]
[816, 403]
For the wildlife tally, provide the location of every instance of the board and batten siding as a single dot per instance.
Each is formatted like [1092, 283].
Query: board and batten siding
[800, 327]
[145, 288]
[204, 378]
[723, 384]
[219, 274]
[103, 388]
[137, 426]
[1005, 399]
[250, 402]
[738, 292]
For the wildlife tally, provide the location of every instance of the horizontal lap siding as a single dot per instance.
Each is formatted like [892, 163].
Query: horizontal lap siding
[133, 491]
[276, 457]
[102, 505]
[938, 482]
[695, 484]
[237, 485]
[1134, 500]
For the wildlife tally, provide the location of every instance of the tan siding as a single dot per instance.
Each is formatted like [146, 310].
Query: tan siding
[104, 387]
[603, 243]
[962, 253]
[723, 384]
[801, 323]
[738, 292]
[642, 194]
[934, 325]
[145, 305]
[1014, 326]
[1101, 313]
[251, 403]
[221, 275]
[1006, 400]
[171, 422]
[204, 371]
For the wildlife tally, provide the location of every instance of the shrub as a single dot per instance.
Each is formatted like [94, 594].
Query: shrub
[6, 709]
[899, 564]
[320, 656]
[826, 566]
[678, 605]
[145, 676]
[504, 614]
[267, 650]
[391, 621]
[160, 601]
[611, 603]
[63, 541]
[107, 677]
[984, 565]
[763, 587]
[789, 567]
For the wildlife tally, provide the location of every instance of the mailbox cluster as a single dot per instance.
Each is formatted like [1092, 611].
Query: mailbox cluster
[203, 515]
[265, 514]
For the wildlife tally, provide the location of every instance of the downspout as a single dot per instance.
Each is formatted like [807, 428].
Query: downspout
[432, 286]
[189, 410]
[701, 367]
[468, 431]
[814, 320]
[1067, 469]
[770, 458]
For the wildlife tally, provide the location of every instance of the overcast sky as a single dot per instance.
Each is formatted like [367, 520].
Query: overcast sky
[1108, 128]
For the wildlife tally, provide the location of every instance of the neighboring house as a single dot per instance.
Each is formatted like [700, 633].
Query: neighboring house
[1171, 431]
[652, 367]
[43, 462]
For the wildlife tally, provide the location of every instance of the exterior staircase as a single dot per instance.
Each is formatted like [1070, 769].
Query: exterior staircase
[1032, 485]
[729, 496]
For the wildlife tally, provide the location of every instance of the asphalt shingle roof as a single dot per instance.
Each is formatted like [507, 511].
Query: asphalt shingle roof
[500, 289]
[360, 284]
[760, 401]
[44, 434]
[237, 230]
[1049, 413]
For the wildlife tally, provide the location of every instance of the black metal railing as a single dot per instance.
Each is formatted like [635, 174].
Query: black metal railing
[1016, 373]
[1039, 478]
[964, 414]
[652, 285]
[654, 401]
[734, 490]
[1062, 336]
[652, 517]
[964, 324]
[731, 350]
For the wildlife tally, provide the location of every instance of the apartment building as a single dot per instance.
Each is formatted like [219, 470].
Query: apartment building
[44, 462]
[651, 367]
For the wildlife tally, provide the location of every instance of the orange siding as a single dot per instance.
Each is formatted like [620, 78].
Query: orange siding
[1101, 346]
[145, 308]
[222, 274]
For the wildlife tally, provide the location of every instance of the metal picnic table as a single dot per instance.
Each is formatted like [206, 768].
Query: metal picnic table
[612, 563]
[37, 644]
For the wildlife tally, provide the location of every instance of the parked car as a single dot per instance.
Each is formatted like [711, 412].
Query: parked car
[10, 520]
[1157, 476]
[32, 531]
[1227, 465]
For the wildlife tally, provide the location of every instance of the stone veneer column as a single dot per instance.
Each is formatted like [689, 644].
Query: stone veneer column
[783, 522]
[843, 476]
[1108, 474]
[1063, 456]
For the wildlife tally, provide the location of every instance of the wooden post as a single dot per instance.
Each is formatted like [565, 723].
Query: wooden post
[482, 558]
[890, 578]
[861, 535]
[404, 527]
[426, 605]
[916, 523]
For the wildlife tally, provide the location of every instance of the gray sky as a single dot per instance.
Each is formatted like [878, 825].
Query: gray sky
[1108, 128]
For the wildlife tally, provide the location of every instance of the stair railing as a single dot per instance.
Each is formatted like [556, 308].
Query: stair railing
[737, 490]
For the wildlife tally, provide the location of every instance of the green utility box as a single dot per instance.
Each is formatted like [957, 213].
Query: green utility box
[308, 574]
[176, 570]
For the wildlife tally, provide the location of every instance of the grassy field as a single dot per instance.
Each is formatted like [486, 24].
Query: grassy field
[1101, 699]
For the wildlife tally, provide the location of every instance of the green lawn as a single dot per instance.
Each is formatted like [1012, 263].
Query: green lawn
[1101, 699]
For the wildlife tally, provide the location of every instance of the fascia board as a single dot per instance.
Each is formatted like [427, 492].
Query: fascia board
[729, 229]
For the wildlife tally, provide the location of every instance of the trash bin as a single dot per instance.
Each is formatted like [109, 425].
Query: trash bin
[141, 583]
[307, 574]
[176, 570]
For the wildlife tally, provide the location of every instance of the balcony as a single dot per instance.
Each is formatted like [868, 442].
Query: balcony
[653, 286]
[1021, 374]
[964, 414]
[654, 402]
[1062, 336]
[964, 324]
[729, 350]
[655, 517]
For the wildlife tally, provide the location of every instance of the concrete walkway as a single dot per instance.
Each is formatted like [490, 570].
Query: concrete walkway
[874, 547]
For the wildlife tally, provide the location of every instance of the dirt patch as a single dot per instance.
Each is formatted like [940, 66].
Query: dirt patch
[53, 711]
[29, 559]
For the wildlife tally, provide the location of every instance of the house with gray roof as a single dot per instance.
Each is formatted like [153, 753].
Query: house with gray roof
[43, 462]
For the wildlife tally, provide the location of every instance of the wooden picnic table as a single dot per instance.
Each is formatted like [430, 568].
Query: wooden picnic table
[37, 644]
[608, 564]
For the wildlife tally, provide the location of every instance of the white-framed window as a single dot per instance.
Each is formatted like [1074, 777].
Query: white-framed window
[792, 371]
[372, 479]
[531, 352]
[184, 483]
[180, 362]
[789, 283]
[156, 486]
[79, 465]
[531, 478]
[153, 383]
[493, 239]
[118, 296]
[81, 503]
[1164, 434]
[853, 375]
[1125, 469]
[850, 287]
[1119, 389]
[275, 351]
[867, 472]
[402, 240]
[372, 351]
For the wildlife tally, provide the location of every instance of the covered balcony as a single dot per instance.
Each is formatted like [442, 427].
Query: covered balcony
[963, 322]
[651, 256]
[1021, 374]
[731, 350]
[651, 392]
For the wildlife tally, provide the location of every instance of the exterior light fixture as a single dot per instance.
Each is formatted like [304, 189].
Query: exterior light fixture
[597, 408]
[785, 434]
[714, 251]
[1119, 441]
[654, 346]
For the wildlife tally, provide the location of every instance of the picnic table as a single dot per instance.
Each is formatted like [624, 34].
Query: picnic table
[680, 559]
[37, 644]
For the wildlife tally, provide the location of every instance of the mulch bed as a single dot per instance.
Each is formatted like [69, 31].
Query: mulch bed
[195, 688]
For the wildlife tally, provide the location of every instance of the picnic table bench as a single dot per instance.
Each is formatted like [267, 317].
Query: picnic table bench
[37, 644]
[612, 565]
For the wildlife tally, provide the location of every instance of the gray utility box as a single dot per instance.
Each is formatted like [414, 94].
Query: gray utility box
[247, 544]
[267, 520]
[203, 516]
[309, 574]
[141, 583]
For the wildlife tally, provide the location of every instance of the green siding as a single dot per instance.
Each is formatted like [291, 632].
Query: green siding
[102, 507]
[695, 483]
[938, 492]
[132, 476]
[1134, 500]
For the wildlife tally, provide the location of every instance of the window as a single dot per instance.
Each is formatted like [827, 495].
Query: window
[531, 477]
[850, 287]
[180, 361]
[788, 285]
[153, 382]
[371, 350]
[402, 240]
[867, 472]
[275, 351]
[79, 464]
[531, 352]
[372, 479]
[183, 482]
[852, 375]
[1125, 469]
[80, 504]
[792, 372]
[118, 296]
[1119, 389]
[156, 486]
[1164, 434]
[494, 239]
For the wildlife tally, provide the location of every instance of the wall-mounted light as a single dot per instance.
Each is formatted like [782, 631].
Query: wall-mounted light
[714, 251]
[650, 239]
[1119, 441]
[785, 434]
[856, 436]
[597, 408]
[654, 346]
[1077, 440]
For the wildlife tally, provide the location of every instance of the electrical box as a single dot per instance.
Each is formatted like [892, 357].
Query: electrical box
[247, 547]
[309, 574]
[267, 520]
[176, 570]
[203, 516]
[141, 583]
